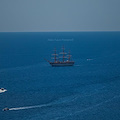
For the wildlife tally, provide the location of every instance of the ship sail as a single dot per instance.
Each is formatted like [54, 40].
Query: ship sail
[63, 53]
[55, 55]
[69, 55]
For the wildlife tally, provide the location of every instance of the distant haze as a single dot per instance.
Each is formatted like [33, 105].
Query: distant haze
[59, 15]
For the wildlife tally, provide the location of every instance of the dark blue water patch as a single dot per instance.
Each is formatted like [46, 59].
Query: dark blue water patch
[20, 49]
[87, 90]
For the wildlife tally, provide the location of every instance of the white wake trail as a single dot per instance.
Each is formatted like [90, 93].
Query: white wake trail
[30, 107]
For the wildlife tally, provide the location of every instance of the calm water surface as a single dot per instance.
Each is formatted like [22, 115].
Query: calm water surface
[89, 90]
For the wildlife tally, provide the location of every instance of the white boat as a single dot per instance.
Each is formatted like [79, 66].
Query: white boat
[2, 90]
[5, 109]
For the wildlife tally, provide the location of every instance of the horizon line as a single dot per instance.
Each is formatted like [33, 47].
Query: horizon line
[63, 31]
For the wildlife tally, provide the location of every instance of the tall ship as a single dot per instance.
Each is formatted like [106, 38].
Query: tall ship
[66, 59]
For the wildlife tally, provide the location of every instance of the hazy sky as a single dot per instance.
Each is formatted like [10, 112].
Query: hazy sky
[59, 15]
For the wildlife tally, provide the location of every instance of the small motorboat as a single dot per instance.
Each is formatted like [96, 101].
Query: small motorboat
[2, 90]
[5, 109]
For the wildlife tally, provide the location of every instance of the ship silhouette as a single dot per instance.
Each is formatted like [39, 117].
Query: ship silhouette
[66, 59]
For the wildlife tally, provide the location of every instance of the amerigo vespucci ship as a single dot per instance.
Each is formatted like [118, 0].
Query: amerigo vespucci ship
[64, 62]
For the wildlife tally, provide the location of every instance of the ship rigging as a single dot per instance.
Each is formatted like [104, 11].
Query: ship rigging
[62, 62]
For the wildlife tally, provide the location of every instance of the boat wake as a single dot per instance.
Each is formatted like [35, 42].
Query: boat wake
[89, 59]
[78, 65]
[30, 107]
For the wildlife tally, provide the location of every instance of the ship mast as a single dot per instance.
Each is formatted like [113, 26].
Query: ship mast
[69, 56]
[55, 55]
[63, 53]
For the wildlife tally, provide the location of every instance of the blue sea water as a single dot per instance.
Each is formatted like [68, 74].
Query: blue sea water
[89, 90]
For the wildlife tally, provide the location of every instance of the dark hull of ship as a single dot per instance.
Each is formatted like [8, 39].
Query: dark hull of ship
[57, 64]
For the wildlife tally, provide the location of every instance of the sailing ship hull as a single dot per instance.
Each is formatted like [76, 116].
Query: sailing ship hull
[55, 64]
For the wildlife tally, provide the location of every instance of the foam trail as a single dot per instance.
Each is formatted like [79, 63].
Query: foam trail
[30, 107]
[89, 59]
[78, 65]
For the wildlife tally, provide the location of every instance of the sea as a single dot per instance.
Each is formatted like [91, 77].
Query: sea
[89, 90]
